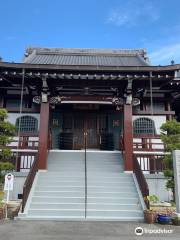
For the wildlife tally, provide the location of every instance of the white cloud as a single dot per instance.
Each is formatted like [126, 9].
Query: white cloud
[165, 54]
[133, 12]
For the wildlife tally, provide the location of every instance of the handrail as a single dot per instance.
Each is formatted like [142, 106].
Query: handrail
[85, 172]
[151, 162]
[28, 183]
[141, 180]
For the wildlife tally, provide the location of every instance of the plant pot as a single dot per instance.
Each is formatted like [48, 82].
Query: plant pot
[150, 216]
[176, 221]
[163, 219]
[2, 212]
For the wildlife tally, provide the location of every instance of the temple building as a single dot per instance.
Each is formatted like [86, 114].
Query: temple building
[88, 130]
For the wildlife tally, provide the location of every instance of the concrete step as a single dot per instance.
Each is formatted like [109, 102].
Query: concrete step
[41, 183]
[114, 213]
[57, 212]
[57, 174]
[90, 206]
[112, 194]
[110, 206]
[110, 218]
[59, 194]
[56, 177]
[117, 178]
[113, 200]
[90, 184]
[60, 188]
[50, 199]
[81, 188]
[54, 206]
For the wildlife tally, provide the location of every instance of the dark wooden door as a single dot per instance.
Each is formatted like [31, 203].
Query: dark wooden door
[85, 125]
[91, 131]
[78, 131]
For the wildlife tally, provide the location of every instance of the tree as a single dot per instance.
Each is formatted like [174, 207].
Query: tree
[7, 131]
[170, 136]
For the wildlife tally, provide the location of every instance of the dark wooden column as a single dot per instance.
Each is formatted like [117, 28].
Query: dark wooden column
[168, 108]
[2, 93]
[128, 138]
[43, 136]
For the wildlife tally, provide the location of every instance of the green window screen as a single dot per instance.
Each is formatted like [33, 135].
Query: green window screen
[144, 126]
[27, 124]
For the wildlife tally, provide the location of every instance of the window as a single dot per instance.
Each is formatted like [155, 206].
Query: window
[144, 126]
[27, 124]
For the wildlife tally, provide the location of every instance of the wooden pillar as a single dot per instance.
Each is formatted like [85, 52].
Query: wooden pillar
[168, 108]
[43, 136]
[128, 138]
[2, 99]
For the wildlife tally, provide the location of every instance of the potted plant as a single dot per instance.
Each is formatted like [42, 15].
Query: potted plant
[163, 218]
[149, 214]
[2, 206]
[176, 219]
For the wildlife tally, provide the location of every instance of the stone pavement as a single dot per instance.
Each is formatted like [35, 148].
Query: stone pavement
[56, 230]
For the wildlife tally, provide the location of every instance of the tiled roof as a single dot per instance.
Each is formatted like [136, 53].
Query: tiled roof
[96, 57]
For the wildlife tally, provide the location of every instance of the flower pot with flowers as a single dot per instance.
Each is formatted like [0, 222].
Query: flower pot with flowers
[149, 214]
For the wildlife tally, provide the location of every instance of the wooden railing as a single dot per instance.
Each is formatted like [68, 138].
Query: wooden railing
[150, 163]
[28, 183]
[23, 160]
[24, 151]
[141, 180]
[25, 142]
[147, 143]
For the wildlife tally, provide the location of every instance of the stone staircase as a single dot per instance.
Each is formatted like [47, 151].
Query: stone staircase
[59, 193]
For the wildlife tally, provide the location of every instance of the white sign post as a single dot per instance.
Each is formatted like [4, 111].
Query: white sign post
[8, 186]
[176, 166]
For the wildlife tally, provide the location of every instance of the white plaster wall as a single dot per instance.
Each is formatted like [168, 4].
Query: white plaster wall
[158, 120]
[19, 179]
[13, 116]
[157, 186]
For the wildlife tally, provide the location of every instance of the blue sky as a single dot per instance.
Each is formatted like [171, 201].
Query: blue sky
[153, 24]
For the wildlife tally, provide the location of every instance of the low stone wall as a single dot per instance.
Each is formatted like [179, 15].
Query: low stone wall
[157, 186]
[19, 179]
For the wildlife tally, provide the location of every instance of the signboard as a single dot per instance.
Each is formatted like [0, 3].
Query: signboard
[176, 166]
[9, 181]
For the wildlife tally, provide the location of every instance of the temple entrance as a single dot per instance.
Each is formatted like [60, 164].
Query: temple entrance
[71, 127]
[86, 125]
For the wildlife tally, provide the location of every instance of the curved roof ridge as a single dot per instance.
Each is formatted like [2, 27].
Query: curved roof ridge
[114, 51]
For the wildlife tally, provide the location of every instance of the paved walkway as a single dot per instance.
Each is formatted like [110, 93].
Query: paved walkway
[54, 230]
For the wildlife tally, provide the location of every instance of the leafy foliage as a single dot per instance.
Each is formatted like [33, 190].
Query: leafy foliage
[7, 131]
[170, 135]
[152, 198]
[4, 168]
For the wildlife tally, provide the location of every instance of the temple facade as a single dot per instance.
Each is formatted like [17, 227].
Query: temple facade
[83, 110]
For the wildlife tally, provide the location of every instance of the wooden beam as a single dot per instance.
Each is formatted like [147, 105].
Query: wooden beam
[128, 138]
[43, 136]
